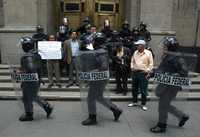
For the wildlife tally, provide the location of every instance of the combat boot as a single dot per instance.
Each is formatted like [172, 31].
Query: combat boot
[159, 128]
[91, 120]
[28, 116]
[116, 113]
[48, 109]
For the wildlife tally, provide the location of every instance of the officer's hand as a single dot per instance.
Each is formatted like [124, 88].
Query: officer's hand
[148, 76]
[43, 83]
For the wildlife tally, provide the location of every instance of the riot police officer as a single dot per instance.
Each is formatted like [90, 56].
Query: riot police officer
[64, 30]
[111, 45]
[144, 34]
[135, 34]
[134, 38]
[107, 29]
[87, 37]
[83, 29]
[39, 36]
[125, 30]
[125, 34]
[171, 64]
[31, 63]
[97, 87]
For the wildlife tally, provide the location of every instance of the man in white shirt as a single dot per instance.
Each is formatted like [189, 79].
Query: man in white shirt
[141, 64]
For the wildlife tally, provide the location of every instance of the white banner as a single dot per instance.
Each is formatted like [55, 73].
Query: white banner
[50, 49]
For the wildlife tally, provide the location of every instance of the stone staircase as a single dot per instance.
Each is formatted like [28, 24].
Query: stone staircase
[7, 91]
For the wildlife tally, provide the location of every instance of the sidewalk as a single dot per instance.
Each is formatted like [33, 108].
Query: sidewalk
[67, 117]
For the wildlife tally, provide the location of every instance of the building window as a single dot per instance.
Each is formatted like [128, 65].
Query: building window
[106, 8]
[72, 7]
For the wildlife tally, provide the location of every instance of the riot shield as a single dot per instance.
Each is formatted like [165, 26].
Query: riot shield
[15, 74]
[26, 86]
[93, 76]
[172, 85]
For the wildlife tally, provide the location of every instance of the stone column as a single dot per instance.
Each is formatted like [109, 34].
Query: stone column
[157, 14]
[45, 15]
[132, 12]
[20, 18]
[1, 14]
[198, 31]
[185, 16]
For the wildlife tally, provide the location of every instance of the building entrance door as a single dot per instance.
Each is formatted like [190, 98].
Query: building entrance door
[97, 10]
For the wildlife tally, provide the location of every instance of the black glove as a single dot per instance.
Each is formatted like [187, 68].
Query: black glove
[42, 82]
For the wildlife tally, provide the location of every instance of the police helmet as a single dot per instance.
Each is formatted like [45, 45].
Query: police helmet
[135, 29]
[142, 25]
[87, 19]
[39, 29]
[171, 43]
[62, 29]
[99, 39]
[88, 26]
[27, 43]
[65, 21]
[115, 33]
[106, 23]
[125, 25]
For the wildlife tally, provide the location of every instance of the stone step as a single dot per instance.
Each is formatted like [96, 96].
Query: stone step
[6, 72]
[7, 79]
[76, 96]
[110, 87]
[4, 66]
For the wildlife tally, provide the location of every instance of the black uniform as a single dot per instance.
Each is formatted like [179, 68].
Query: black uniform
[31, 63]
[39, 36]
[172, 64]
[111, 46]
[63, 33]
[98, 63]
[144, 34]
[122, 70]
[125, 34]
[82, 29]
[107, 31]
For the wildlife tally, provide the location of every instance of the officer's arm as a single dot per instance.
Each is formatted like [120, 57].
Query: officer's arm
[39, 68]
[148, 36]
[182, 67]
[102, 62]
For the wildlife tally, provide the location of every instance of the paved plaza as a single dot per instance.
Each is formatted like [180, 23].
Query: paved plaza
[67, 117]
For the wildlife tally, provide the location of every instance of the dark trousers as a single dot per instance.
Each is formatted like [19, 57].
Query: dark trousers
[95, 94]
[139, 84]
[121, 80]
[167, 94]
[30, 94]
[73, 67]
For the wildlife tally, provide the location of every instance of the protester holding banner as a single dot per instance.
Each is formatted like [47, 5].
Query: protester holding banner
[53, 68]
[71, 50]
[141, 65]
[172, 64]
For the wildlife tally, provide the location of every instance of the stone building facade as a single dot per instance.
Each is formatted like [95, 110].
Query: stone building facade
[164, 17]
